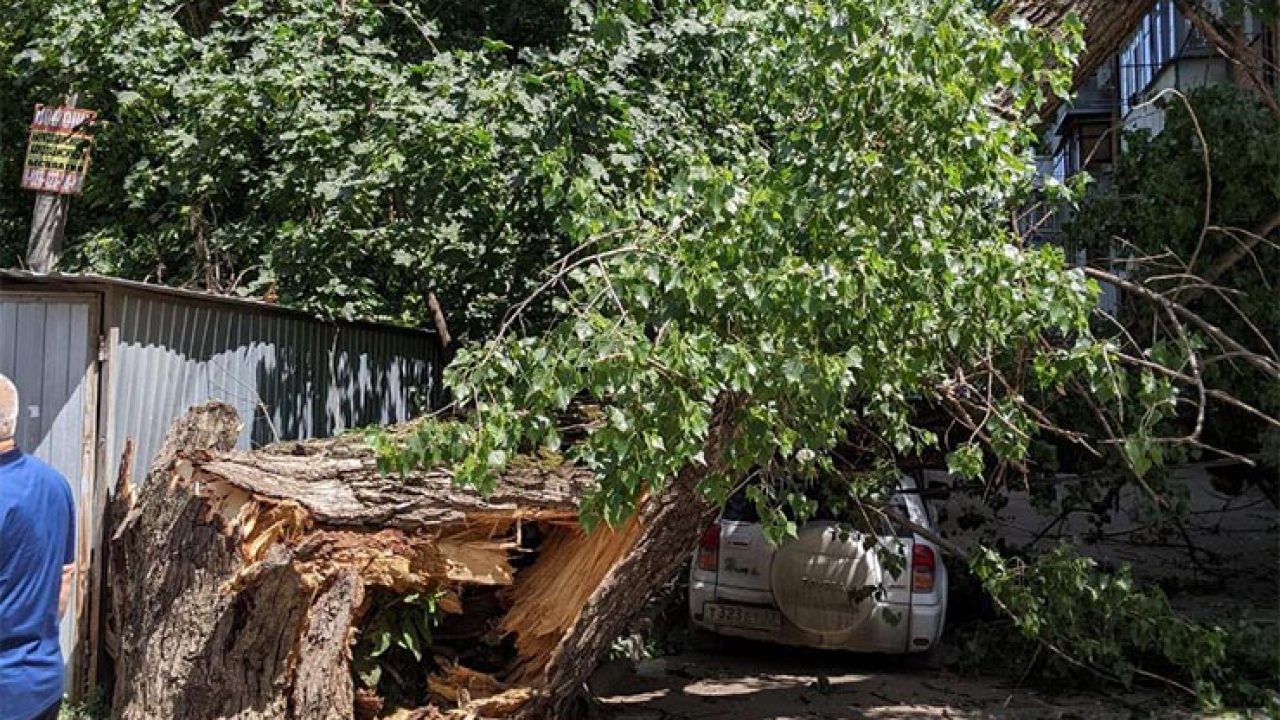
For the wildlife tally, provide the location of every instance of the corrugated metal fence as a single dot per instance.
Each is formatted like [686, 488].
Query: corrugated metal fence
[289, 376]
[48, 348]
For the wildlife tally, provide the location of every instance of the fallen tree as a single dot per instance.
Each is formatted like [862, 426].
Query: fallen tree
[826, 260]
[845, 307]
[241, 579]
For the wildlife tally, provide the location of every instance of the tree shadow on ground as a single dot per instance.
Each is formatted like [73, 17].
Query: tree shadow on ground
[753, 681]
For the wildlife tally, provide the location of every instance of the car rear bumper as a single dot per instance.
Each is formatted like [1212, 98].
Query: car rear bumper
[879, 633]
[926, 626]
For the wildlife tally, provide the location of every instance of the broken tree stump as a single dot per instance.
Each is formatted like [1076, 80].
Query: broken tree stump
[244, 582]
[241, 579]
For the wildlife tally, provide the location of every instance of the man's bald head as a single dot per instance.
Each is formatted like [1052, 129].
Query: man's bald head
[8, 409]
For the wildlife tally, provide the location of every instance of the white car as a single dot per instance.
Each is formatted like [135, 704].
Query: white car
[807, 591]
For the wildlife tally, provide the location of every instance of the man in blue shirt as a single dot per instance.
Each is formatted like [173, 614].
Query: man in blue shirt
[37, 567]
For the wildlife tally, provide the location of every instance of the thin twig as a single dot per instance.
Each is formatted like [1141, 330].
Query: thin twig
[1267, 365]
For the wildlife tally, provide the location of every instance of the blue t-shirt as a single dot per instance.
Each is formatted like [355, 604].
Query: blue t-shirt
[37, 537]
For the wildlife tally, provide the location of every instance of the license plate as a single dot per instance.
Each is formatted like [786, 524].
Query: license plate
[742, 616]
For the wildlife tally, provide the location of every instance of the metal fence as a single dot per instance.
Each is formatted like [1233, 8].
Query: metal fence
[47, 347]
[289, 376]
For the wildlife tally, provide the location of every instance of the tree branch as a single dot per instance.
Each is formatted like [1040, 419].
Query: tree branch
[1241, 251]
[1268, 366]
[1233, 46]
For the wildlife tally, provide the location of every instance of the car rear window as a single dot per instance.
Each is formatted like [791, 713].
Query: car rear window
[741, 508]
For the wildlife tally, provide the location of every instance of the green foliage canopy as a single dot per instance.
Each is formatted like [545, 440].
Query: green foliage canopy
[354, 155]
[823, 249]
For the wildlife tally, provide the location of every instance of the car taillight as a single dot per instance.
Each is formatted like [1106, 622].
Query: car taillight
[923, 564]
[709, 548]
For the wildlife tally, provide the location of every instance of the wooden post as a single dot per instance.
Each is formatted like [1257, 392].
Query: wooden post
[437, 315]
[48, 225]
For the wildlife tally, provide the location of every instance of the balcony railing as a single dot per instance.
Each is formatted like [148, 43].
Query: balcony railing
[1043, 222]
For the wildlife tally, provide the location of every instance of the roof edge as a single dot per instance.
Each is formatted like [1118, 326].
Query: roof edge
[71, 281]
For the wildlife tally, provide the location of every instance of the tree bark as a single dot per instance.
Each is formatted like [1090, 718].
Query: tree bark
[185, 648]
[322, 687]
[240, 580]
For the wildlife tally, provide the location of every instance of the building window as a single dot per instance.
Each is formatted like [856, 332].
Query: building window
[1162, 35]
[1096, 142]
[1066, 162]
[1087, 144]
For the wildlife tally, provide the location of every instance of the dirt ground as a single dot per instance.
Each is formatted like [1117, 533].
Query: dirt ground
[760, 682]
[1235, 573]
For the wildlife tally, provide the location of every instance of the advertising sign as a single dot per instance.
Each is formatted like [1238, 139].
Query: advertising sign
[58, 150]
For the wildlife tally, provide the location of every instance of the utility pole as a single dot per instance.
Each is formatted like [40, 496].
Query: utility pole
[48, 224]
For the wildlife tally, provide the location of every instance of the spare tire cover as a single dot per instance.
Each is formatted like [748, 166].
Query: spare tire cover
[816, 575]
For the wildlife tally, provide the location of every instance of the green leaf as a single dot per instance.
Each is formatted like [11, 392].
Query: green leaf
[381, 642]
[966, 461]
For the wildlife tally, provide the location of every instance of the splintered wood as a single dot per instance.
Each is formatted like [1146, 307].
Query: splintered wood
[250, 575]
[552, 593]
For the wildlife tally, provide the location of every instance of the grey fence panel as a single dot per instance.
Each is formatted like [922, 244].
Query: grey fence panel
[289, 376]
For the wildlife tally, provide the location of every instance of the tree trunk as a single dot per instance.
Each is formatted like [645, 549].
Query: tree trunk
[241, 580]
[670, 523]
[185, 648]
